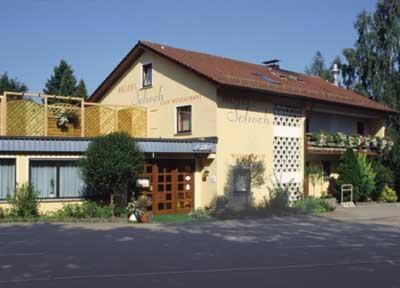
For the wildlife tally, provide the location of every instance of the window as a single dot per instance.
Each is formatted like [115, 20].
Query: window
[360, 128]
[7, 177]
[184, 119]
[147, 76]
[56, 179]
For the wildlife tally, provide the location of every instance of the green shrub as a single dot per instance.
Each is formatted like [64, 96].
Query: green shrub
[278, 198]
[311, 205]
[87, 209]
[3, 213]
[110, 164]
[24, 203]
[355, 169]
[200, 213]
[388, 195]
[384, 177]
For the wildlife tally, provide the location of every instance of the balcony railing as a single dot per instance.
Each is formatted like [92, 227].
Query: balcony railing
[23, 114]
[339, 142]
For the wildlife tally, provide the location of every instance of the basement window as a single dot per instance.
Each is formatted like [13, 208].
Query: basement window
[147, 77]
[184, 119]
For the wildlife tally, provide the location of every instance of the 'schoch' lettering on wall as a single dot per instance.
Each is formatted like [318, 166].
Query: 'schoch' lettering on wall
[241, 112]
[146, 97]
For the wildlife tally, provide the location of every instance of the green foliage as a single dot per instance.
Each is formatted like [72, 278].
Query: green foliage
[110, 163]
[68, 83]
[257, 168]
[3, 213]
[319, 69]
[201, 214]
[384, 177]
[372, 65]
[388, 195]
[278, 198]
[355, 169]
[24, 202]
[139, 206]
[81, 90]
[312, 205]
[11, 85]
[85, 210]
[63, 82]
[315, 174]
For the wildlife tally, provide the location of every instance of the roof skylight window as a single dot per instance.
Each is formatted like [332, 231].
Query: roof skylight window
[266, 78]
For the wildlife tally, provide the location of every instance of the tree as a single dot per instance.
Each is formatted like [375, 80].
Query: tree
[372, 65]
[110, 164]
[355, 169]
[384, 178]
[319, 69]
[81, 90]
[12, 85]
[63, 82]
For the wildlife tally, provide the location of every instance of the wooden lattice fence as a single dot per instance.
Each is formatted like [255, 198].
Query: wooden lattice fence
[99, 120]
[24, 118]
[20, 115]
[132, 121]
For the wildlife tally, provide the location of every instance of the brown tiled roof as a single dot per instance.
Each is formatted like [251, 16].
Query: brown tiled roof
[234, 73]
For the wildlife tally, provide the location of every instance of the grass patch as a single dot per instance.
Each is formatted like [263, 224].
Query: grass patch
[172, 218]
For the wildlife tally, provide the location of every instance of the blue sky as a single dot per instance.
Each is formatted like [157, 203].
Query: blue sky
[94, 35]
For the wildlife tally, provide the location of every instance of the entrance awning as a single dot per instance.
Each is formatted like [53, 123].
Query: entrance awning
[9, 144]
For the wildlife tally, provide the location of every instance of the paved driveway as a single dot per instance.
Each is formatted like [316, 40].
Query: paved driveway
[278, 252]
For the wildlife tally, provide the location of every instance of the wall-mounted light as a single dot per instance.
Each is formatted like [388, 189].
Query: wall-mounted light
[205, 175]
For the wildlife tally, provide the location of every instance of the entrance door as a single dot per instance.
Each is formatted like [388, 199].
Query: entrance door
[172, 186]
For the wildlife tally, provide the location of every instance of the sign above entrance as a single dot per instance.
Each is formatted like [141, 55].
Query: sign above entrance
[203, 147]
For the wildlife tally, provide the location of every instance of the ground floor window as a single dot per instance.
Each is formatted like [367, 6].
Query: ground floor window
[56, 179]
[7, 177]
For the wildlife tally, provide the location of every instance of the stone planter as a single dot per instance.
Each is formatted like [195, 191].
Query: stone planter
[332, 202]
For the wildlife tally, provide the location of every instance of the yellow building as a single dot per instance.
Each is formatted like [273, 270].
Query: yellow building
[204, 114]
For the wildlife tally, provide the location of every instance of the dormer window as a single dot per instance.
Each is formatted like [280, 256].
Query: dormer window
[147, 76]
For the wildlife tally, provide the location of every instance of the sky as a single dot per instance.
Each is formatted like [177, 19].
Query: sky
[94, 35]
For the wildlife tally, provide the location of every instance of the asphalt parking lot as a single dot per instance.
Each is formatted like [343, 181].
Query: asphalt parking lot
[347, 248]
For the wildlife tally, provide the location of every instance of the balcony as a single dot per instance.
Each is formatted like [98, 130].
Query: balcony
[337, 143]
[23, 114]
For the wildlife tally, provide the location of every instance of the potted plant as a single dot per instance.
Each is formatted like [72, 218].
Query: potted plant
[357, 140]
[311, 138]
[367, 142]
[374, 143]
[138, 207]
[331, 140]
[342, 139]
[64, 117]
[321, 139]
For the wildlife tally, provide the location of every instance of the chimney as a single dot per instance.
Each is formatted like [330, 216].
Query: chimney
[272, 63]
[335, 73]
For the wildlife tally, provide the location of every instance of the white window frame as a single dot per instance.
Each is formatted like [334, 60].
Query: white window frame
[34, 159]
[142, 75]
